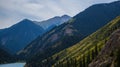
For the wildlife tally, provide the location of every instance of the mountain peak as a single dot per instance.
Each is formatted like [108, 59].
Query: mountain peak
[20, 34]
[65, 16]
[26, 20]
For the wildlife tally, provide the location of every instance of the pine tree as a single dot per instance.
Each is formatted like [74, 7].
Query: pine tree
[88, 58]
[93, 54]
[80, 63]
[84, 64]
[75, 62]
[96, 50]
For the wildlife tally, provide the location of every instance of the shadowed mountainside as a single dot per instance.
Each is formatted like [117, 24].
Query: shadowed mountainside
[85, 51]
[19, 35]
[73, 31]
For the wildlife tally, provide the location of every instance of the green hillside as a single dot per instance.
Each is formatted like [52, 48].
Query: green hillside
[109, 56]
[81, 54]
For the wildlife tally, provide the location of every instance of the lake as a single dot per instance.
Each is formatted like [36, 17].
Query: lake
[13, 65]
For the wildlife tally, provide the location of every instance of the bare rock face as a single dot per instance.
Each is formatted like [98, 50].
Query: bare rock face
[109, 55]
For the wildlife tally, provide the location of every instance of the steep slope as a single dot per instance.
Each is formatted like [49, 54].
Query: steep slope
[110, 54]
[82, 53]
[73, 31]
[99, 13]
[19, 35]
[55, 21]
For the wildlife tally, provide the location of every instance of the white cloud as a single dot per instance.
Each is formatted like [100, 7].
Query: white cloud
[12, 11]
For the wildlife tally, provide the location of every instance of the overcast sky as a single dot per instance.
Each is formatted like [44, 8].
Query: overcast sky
[13, 11]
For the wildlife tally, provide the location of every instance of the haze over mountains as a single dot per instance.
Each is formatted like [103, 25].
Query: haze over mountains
[55, 21]
[81, 41]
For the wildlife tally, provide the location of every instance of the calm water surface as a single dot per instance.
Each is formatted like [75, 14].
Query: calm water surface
[13, 65]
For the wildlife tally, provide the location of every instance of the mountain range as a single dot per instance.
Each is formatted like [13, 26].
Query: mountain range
[55, 21]
[89, 39]
[71, 32]
[21, 34]
[84, 52]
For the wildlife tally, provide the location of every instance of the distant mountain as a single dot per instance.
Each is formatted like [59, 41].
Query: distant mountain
[19, 35]
[28, 30]
[85, 51]
[55, 21]
[73, 31]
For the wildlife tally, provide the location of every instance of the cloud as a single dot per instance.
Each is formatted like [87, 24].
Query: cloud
[12, 11]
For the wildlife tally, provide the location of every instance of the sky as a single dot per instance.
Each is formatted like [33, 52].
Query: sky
[13, 11]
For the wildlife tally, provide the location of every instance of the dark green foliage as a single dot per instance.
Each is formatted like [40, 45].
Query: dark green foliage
[80, 63]
[88, 58]
[5, 57]
[93, 55]
[83, 62]
[96, 50]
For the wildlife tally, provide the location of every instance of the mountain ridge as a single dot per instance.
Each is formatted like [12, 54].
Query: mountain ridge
[68, 34]
[57, 20]
[20, 33]
[83, 52]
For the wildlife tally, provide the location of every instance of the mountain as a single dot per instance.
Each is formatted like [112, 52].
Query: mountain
[71, 32]
[19, 35]
[82, 53]
[55, 21]
[76, 28]
[99, 13]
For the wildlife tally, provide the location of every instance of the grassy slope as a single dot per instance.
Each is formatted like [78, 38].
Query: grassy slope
[109, 56]
[87, 45]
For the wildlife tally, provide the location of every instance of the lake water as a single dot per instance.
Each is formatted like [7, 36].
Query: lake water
[13, 65]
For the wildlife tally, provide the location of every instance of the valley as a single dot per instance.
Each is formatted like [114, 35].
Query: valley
[90, 38]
